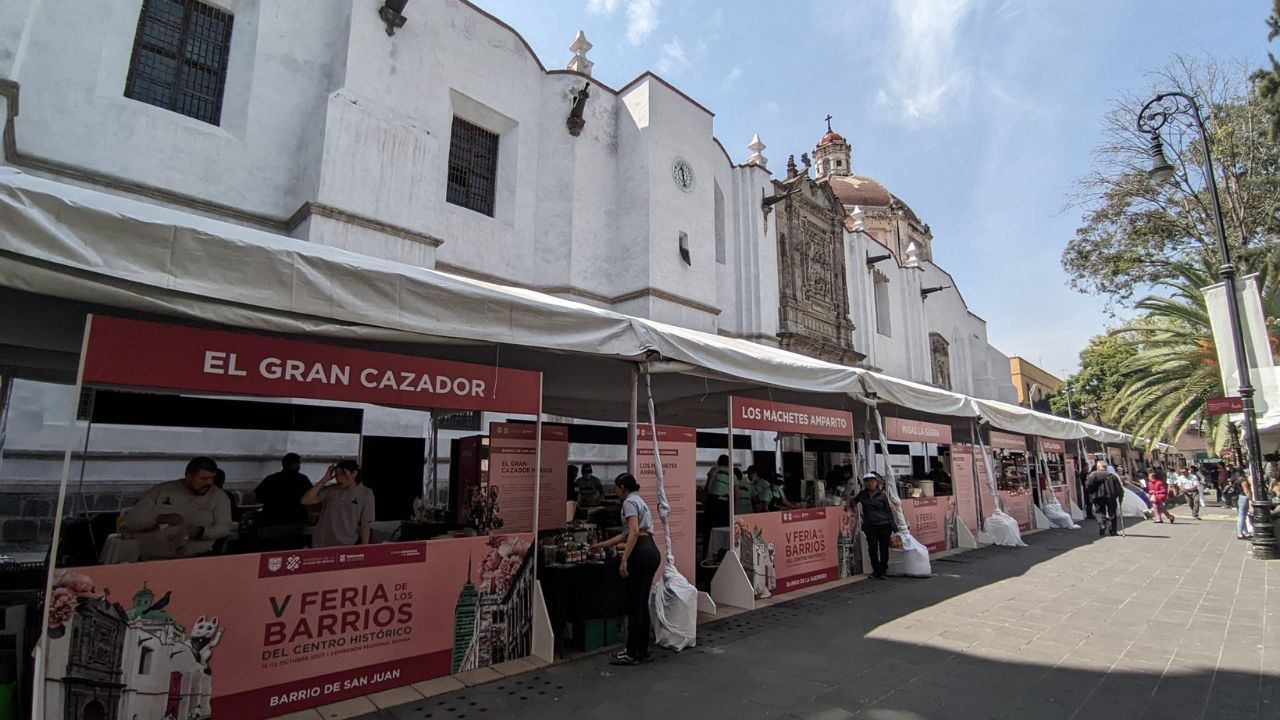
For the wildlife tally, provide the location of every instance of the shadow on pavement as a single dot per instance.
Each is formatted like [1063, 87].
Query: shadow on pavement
[867, 650]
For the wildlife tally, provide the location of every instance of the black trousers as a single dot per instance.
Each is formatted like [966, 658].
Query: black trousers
[1106, 509]
[878, 547]
[715, 514]
[641, 567]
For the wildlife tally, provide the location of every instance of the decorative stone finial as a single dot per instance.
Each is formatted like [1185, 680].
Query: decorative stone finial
[791, 166]
[756, 147]
[579, 61]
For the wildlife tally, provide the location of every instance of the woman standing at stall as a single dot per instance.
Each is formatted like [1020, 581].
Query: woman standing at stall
[640, 561]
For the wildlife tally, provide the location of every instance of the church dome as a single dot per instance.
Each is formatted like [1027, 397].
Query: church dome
[830, 137]
[868, 193]
[860, 190]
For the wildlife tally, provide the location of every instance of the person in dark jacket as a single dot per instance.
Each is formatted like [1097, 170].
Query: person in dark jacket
[281, 493]
[1104, 487]
[877, 522]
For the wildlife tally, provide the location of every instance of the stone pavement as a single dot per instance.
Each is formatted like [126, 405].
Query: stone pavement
[1164, 623]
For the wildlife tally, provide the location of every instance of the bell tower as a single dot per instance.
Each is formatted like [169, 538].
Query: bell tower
[832, 156]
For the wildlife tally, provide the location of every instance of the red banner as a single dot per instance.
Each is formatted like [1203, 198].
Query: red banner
[751, 414]
[134, 353]
[513, 448]
[964, 485]
[677, 446]
[900, 430]
[256, 636]
[1050, 445]
[1008, 441]
[792, 549]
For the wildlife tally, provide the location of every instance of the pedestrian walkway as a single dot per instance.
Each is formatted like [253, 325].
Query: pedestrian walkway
[1165, 623]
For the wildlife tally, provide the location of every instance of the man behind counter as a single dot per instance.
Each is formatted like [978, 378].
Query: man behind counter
[281, 493]
[183, 517]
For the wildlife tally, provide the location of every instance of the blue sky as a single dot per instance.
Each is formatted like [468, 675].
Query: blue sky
[980, 114]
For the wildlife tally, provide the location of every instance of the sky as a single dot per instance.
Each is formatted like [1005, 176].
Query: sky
[979, 114]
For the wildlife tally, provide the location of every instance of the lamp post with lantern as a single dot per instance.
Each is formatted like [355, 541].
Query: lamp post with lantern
[1157, 113]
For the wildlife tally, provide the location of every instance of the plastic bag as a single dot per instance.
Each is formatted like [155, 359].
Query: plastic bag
[673, 606]
[1057, 517]
[1002, 529]
[912, 559]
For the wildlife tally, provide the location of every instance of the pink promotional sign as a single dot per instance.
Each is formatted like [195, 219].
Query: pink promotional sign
[512, 451]
[1049, 445]
[1018, 504]
[932, 521]
[135, 353]
[964, 485]
[677, 446]
[791, 549]
[1008, 441]
[751, 414]
[900, 430]
[301, 628]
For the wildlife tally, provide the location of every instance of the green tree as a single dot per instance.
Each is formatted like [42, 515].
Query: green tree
[1097, 382]
[1135, 230]
[1174, 366]
[1267, 80]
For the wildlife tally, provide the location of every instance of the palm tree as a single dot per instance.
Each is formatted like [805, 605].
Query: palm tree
[1175, 365]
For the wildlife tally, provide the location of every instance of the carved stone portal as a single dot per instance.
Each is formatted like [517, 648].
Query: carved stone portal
[813, 296]
[940, 360]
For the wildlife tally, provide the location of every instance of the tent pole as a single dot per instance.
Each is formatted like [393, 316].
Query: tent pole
[733, 483]
[635, 419]
[537, 480]
[42, 647]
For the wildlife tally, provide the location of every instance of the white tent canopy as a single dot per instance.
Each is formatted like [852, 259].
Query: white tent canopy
[66, 250]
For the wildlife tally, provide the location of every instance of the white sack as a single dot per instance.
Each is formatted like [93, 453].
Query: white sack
[1132, 505]
[1057, 517]
[673, 606]
[1003, 530]
[912, 559]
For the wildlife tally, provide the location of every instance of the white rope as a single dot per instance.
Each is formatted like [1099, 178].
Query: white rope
[664, 507]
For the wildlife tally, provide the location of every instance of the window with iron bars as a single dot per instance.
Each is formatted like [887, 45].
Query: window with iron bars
[180, 58]
[473, 167]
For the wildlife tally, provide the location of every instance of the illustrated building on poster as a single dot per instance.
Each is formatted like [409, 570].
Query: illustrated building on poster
[494, 623]
[758, 559]
[116, 664]
[464, 624]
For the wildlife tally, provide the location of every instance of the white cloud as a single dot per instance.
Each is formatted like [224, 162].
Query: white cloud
[602, 7]
[925, 70]
[731, 79]
[673, 58]
[642, 19]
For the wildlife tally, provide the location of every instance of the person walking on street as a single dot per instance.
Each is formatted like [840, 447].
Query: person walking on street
[1190, 484]
[877, 522]
[1158, 490]
[1105, 489]
[1242, 511]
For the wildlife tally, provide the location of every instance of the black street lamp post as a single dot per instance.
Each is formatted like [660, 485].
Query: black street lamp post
[1154, 116]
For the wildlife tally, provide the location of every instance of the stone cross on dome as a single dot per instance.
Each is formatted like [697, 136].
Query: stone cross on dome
[828, 122]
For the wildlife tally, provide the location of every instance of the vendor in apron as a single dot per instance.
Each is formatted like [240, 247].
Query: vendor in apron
[745, 494]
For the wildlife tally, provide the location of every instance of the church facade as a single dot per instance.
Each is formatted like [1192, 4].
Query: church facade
[448, 144]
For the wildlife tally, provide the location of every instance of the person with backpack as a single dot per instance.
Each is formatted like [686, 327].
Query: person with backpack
[1106, 491]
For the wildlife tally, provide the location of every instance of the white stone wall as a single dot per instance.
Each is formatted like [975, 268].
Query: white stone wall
[323, 107]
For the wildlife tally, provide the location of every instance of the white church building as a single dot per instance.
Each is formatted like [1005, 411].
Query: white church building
[448, 144]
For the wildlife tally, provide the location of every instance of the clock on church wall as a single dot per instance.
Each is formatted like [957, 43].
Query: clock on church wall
[682, 173]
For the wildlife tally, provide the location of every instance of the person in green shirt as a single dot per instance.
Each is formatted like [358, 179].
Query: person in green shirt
[744, 494]
[716, 502]
[762, 490]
